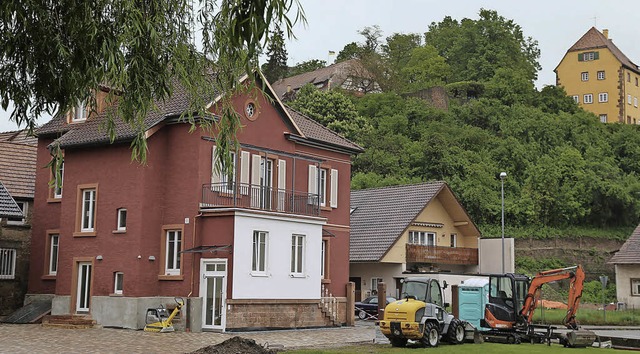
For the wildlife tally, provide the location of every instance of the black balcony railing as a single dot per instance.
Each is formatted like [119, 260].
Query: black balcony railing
[243, 195]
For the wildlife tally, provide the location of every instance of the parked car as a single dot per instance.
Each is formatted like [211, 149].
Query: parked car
[369, 307]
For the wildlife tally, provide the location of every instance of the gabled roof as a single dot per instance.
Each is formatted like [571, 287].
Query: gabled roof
[19, 137]
[8, 206]
[18, 169]
[93, 132]
[337, 73]
[594, 39]
[381, 215]
[629, 253]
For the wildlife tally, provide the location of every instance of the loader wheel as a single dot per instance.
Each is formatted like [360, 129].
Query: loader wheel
[431, 335]
[398, 342]
[455, 335]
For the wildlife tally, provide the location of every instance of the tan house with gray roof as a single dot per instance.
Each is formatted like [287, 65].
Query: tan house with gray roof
[627, 267]
[410, 229]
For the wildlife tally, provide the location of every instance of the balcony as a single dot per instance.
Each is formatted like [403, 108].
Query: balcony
[243, 195]
[441, 255]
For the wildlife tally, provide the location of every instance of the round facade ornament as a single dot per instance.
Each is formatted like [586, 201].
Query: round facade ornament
[251, 110]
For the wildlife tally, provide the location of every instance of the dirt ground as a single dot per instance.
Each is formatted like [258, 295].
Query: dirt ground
[235, 345]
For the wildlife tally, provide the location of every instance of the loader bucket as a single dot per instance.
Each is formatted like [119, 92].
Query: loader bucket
[580, 338]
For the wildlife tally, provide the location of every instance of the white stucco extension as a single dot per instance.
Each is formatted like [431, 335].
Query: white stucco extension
[277, 282]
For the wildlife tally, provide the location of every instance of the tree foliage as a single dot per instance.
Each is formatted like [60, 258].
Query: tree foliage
[276, 66]
[54, 54]
[306, 66]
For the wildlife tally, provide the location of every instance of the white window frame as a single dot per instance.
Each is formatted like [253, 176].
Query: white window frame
[173, 246]
[424, 238]
[57, 189]
[79, 112]
[297, 254]
[322, 191]
[24, 207]
[260, 252]
[374, 284]
[635, 101]
[584, 76]
[122, 219]
[603, 97]
[587, 98]
[601, 75]
[603, 118]
[54, 248]
[628, 99]
[635, 287]
[588, 56]
[323, 258]
[7, 263]
[118, 288]
[88, 216]
[453, 240]
[576, 99]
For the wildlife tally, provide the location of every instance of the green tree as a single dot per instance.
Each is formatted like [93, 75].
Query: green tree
[276, 67]
[54, 54]
[306, 66]
[424, 69]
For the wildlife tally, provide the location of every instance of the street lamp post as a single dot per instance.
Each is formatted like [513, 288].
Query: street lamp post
[502, 176]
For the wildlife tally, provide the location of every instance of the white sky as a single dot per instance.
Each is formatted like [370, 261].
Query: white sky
[556, 25]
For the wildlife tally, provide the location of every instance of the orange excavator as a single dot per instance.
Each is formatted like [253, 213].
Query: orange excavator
[513, 299]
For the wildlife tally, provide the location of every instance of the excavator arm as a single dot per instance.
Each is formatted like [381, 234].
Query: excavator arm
[576, 274]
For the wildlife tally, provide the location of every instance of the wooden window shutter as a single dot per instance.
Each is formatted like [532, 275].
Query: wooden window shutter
[255, 180]
[334, 188]
[580, 56]
[596, 55]
[282, 184]
[215, 169]
[313, 179]
[245, 159]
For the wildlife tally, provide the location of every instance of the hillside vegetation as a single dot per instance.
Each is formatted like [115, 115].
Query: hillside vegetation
[568, 175]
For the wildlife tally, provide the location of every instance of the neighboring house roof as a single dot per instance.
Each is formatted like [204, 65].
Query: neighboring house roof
[19, 137]
[92, 131]
[594, 39]
[629, 253]
[8, 206]
[381, 215]
[18, 169]
[336, 74]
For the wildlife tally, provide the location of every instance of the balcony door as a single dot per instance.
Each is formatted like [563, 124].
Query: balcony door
[266, 182]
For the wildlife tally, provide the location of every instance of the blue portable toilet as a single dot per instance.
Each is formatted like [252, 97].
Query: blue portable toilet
[473, 296]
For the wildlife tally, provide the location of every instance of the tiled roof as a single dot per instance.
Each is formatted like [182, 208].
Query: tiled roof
[19, 137]
[630, 251]
[337, 72]
[8, 206]
[594, 39]
[382, 214]
[18, 169]
[316, 131]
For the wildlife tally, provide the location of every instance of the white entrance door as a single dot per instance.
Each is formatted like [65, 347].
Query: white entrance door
[213, 286]
[83, 294]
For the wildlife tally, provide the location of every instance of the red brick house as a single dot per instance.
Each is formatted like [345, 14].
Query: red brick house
[263, 248]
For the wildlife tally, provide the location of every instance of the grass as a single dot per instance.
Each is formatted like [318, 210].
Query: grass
[486, 348]
[589, 317]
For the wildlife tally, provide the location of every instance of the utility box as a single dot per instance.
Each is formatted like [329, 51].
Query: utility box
[473, 296]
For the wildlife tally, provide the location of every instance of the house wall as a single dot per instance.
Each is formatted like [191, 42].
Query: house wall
[16, 237]
[490, 255]
[389, 272]
[624, 274]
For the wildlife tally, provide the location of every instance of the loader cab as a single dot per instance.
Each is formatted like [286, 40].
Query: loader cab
[507, 293]
[424, 289]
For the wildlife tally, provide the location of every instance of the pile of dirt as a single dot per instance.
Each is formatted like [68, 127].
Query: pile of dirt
[235, 345]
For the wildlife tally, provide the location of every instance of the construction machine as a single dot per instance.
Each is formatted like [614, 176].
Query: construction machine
[159, 319]
[512, 302]
[421, 316]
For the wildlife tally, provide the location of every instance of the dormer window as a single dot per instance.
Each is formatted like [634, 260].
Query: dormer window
[80, 112]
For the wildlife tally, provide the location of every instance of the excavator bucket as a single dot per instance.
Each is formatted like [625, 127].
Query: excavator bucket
[580, 338]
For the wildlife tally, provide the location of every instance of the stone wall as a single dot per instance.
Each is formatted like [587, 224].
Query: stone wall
[12, 291]
[279, 314]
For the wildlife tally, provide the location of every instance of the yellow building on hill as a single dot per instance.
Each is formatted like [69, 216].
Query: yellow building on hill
[601, 78]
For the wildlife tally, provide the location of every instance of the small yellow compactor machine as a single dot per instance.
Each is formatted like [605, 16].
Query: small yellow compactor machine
[159, 319]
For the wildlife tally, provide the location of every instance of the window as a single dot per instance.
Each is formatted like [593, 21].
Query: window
[122, 219]
[588, 98]
[297, 254]
[635, 287]
[228, 180]
[19, 221]
[322, 194]
[588, 56]
[374, 285]
[79, 112]
[635, 101]
[603, 97]
[585, 76]
[323, 259]
[454, 240]
[603, 118]
[628, 77]
[58, 180]
[601, 75]
[576, 99]
[7, 263]
[259, 257]
[636, 81]
[628, 99]
[173, 247]
[118, 283]
[54, 240]
[88, 210]
[422, 238]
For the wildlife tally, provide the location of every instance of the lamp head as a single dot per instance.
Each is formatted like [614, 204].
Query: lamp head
[503, 175]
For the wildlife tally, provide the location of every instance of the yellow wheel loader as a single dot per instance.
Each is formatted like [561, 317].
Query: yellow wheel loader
[159, 320]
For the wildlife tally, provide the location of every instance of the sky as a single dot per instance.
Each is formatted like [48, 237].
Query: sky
[556, 25]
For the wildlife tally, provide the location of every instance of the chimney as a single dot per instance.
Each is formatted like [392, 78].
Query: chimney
[605, 32]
